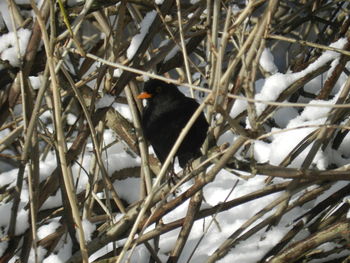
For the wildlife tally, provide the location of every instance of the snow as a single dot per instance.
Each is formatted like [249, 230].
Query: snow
[22, 215]
[8, 49]
[105, 101]
[121, 161]
[5, 208]
[41, 252]
[88, 229]
[125, 192]
[48, 229]
[137, 39]
[71, 119]
[345, 146]
[3, 245]
[241, 105]
[5, 13]
[117, 72]
[238, 107]
[35, 82]
[8, 177]
[2, 23]
[262, 151]
[280, 147]
[310, 116]
[63, 254]
[53, 201]
[230, 220]
[173, 52]
[292, 126]
[22, 223]
[277, 83]
[267, 61]
[53, 259]
[283, 115]
[123, 109]
[140, 255]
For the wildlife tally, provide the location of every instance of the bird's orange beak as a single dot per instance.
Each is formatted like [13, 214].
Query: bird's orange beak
[144, 95]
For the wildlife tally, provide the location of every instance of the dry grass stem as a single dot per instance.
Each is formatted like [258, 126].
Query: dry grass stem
[271, 76]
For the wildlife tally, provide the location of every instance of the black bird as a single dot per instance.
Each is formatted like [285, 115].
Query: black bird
[166, 113]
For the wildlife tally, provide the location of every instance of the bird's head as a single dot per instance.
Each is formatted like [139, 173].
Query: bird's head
[156, 88]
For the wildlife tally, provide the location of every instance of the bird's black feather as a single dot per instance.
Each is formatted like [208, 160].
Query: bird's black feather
[165, 115]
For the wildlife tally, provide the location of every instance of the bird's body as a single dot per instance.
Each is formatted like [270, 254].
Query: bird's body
[165, 115]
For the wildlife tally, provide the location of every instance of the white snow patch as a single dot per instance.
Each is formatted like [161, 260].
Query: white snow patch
[22, 223]
[71, 119]
[137, 39]
[238, 107]
[63, 254]
[8, 49]
[117, 72]
[277, 83]
[126, 189]
[123, 109]
[8, 177]
[106, 101]
[48, 229]
[281, 147]
[172, 53]
[267, 61]
[3, 245]
[283, 115]
[41, 252]
[88, 229]
[261, 151]
[35, 81]
[52, 201]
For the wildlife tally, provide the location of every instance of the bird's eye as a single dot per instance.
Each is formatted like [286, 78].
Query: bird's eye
[158, 89]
